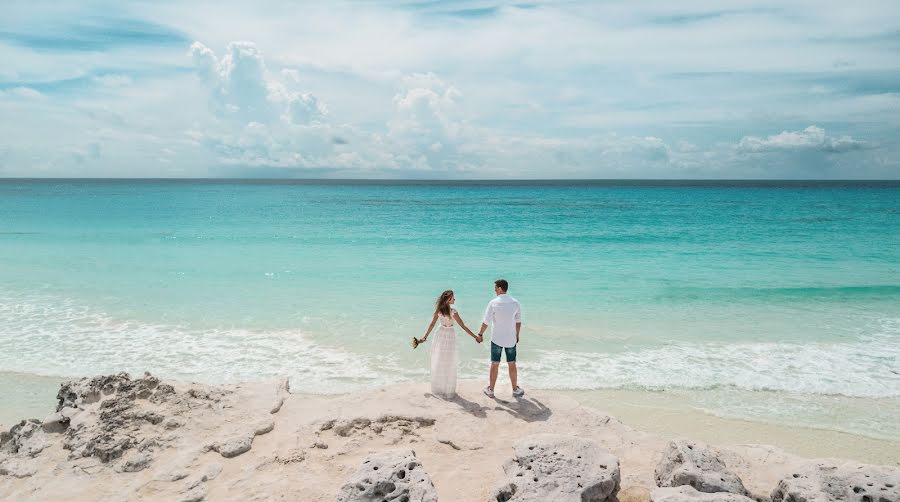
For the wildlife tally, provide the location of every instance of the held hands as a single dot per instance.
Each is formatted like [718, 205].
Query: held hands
[478, 338]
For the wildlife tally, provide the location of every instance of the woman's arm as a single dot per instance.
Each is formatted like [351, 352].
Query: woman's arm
[430, 327]
[463, 325]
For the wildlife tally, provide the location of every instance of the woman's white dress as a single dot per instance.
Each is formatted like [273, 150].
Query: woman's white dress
[444, 358]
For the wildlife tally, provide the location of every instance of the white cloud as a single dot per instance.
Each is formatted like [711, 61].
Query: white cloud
[810, 139]
[242, 87]
[23, 93]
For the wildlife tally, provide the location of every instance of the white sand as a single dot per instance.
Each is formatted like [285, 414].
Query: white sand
[463, 450]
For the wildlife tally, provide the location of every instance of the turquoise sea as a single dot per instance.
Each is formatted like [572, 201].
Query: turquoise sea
[770, 301]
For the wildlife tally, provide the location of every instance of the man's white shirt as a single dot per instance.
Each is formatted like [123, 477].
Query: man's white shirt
[502, 314]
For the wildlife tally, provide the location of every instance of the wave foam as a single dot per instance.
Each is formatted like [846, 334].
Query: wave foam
[863, 368]
[51, 337]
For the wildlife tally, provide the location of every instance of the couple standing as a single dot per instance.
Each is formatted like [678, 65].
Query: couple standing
[503, 315]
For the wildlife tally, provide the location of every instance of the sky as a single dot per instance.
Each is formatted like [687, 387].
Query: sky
[468, 89]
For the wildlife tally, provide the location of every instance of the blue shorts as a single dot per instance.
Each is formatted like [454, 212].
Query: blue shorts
[496, 352]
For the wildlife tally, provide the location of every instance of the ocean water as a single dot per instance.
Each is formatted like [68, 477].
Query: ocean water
[775, 302]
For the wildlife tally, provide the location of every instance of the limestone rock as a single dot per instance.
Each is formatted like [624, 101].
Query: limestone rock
[195, 494]
[211, 471]
[559, 468]
[832, 481]
[686, 493]
[696, 465]
[60, 420]
[18, 467]
[282, 390]
[136, 462]
[26, 438]
[174, 423]
[263, 426]
[393, 475]
[107, 414]
[234, 445]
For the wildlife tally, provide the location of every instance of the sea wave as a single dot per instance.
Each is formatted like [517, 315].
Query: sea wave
[866, 367]
[52, 336]
[43, 336]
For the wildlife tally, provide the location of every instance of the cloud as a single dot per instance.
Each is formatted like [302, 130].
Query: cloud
[428, 89]
[242, 87]
[23, 93]
[427, 128]
[810, 139]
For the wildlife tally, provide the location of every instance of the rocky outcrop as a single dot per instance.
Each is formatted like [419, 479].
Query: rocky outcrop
[698, 466]
[394, 475]
[685, 493]
[559, 468]
[832, 481]
[107, 414]
[24, 438]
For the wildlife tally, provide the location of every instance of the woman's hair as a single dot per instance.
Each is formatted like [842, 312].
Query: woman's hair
[442, 305]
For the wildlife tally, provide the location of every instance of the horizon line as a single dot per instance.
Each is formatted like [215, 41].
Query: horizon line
[455, 180]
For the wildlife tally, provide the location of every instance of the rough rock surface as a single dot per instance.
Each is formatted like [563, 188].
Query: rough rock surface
[686, 493]
[24, 438]
[125, 406]
[234, 445]
[559, 468]
[696, 465]
[18, 467]
[832, 481]
[393, 475]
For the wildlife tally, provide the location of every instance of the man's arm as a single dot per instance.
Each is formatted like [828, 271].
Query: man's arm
[518, 323]
[485, 321]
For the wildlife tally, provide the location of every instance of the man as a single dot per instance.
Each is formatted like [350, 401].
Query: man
[504, 315]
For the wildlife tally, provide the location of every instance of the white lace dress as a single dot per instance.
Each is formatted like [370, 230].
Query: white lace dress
[444, 358]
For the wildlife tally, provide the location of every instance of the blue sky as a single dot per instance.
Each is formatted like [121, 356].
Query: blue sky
[463, 89]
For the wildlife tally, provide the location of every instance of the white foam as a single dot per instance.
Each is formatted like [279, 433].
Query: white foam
[861, 368]
[48, 336]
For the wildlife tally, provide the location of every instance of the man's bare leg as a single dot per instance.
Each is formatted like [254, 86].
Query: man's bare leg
[495, 368]
[513, 375]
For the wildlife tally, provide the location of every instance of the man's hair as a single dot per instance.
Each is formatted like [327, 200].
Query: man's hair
[502, 284]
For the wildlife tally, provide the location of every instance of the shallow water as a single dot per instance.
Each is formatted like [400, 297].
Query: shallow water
[772, 302]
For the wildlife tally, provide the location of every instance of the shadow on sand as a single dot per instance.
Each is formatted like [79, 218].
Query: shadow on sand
[528, 410]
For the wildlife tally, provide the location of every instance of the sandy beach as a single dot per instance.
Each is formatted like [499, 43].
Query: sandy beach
[150, 441]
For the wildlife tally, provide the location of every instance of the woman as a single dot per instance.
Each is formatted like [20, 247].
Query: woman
[443, 349]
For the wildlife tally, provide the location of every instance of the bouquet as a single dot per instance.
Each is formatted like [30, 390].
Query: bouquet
[416, 342]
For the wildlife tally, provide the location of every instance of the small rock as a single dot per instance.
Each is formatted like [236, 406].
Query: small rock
[26, 438]
[195, 494]
[212, 471]
[697, 465]
[835, 481]
[686, 493]
[136, 462]
[172, 475]
[18, 468]
[264, 426]
[320, 445]
[59, 421]
[559, 468]
[292, 456]
[174, 423]
[234, 446]
[345, 427]
[393, 475]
